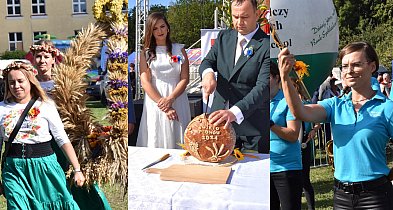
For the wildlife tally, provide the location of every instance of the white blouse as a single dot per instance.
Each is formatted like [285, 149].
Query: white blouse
[42, 118]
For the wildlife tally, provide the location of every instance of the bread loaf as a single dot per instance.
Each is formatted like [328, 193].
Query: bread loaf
[207, 142]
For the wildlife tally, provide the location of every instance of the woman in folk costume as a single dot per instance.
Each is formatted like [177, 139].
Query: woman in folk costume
[45, 55]
[164, 76]
[32, 177]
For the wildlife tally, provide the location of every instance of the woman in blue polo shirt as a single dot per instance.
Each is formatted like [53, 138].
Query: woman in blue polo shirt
[362, 122]
[285, 154]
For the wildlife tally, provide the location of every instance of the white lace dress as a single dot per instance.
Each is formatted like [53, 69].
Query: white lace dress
[156, 130]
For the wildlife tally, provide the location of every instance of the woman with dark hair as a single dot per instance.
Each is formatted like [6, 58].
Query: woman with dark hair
[32, 177]
[164, 76]
[362, 122]
[285, 154]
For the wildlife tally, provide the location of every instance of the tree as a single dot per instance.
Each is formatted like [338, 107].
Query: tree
[132, 22]
[370, 21]
[17, 54]
[158, 8]
[187, 17]
[131, 29]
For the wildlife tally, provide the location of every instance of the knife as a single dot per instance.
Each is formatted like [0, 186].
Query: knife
[166, 156]
[207, 105]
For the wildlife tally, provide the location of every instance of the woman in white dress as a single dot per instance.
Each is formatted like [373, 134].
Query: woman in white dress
[164, 73]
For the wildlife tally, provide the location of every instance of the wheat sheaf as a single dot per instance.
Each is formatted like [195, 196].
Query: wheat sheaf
[70, 97]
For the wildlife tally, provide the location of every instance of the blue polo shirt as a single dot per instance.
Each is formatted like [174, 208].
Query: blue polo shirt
[360, 138]
[375, 84]
[284, 155]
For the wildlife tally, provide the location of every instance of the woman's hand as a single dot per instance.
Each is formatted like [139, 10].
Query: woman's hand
[311, 135]
[286, 60]
[171, 114]
[79, 179]
[165, 103]
[131, 127]
[313, 131]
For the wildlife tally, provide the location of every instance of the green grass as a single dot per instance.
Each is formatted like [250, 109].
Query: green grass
[322, 181]
[99, 111]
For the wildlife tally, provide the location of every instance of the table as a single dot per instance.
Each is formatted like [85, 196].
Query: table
[248, 188]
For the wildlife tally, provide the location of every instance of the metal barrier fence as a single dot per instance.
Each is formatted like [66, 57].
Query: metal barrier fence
[320, 155]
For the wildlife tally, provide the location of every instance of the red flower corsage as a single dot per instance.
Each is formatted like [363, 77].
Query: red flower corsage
[176, 58]
[33, 113]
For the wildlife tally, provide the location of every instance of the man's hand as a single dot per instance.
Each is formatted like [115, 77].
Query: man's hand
[221, 116]
[131, 127]
[209, 84]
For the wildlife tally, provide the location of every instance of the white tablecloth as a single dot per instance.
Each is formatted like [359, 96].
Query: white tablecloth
[248, 187]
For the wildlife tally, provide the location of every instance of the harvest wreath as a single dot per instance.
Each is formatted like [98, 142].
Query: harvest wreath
[101, 150]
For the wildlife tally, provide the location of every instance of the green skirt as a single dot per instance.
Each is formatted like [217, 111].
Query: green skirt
[36, 183]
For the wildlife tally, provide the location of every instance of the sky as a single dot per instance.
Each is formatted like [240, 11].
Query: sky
[131, 3]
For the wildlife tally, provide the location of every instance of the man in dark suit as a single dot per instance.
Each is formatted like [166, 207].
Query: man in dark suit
[241, 59]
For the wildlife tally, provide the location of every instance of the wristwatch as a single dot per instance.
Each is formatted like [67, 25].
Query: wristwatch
[271, 123]
[77, 170]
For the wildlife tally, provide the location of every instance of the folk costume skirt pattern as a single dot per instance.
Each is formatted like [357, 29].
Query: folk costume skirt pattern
[36, 183]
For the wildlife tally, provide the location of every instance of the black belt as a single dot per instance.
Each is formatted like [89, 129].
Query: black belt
[357, 187]
[30, 150]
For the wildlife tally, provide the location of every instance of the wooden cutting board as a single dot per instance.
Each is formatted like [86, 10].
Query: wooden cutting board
[193, 173]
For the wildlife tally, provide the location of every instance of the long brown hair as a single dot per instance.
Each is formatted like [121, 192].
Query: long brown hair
[35, 91]
[150, 42]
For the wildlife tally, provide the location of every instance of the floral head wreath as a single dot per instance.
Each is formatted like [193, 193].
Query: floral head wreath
[16, 65]
[46, 48]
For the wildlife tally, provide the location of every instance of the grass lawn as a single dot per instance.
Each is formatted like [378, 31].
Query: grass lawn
[322, 181]
[114, 194]
[99, 111]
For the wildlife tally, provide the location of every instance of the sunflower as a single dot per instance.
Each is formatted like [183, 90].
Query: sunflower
[301, 69]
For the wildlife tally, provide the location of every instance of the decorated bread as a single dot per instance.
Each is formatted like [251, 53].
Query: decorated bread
[207, 142]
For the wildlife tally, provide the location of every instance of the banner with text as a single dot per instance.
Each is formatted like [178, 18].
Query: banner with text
[305, 27]
[310, 31]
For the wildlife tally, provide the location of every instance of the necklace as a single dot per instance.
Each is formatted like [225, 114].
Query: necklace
[364, 99]
[357, 101]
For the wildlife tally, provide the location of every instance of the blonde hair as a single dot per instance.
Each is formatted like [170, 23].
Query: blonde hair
[26, 69]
